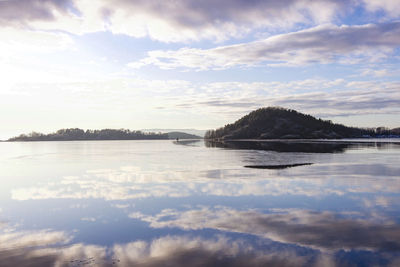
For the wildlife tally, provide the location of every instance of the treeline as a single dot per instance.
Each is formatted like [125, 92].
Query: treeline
[276, 122]
[384, 131]
[79, 134]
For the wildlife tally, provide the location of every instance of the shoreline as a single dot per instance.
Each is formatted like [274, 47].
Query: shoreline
[344, 140]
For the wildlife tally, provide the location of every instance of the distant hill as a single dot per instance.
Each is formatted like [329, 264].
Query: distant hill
[395, 131]
[182, 135]
[276, 122]
[73, 134]
[189, 131]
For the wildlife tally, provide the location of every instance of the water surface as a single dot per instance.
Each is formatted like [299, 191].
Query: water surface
[190, 203]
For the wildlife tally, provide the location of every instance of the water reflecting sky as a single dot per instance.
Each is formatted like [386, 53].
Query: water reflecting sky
[152, 203]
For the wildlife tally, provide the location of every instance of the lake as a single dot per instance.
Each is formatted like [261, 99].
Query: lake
[191, 203]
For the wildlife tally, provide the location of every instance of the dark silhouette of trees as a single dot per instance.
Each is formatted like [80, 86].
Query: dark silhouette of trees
[277, 122]
[79, 134]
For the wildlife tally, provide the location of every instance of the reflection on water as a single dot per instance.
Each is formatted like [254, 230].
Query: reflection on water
[164, 251]
[283, 146]
[305, 146]
[275, 167]
[188, 142]
[191, 203]
[45, 248]
[324, 230]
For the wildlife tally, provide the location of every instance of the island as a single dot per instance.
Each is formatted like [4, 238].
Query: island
[76, 134]
[282, 123]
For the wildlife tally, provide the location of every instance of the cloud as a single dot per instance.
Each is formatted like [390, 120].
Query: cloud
[181, 20]
[172, 21]
[21, 13]
[168, 21]
[37, 248]
[32, 239]
[46, 248]
[344, 103]
[375, 73]
[74, 255]
[322, 44]
[186, 251]
[173, 250]
[183, 178]
[16, 42]
[390, 7]
[202, 104]
[318, 97]
[49, 249]
[324, 230]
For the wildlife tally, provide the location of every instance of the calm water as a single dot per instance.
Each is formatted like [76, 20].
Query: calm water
[164, 203]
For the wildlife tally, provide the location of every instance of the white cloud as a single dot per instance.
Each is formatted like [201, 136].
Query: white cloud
[180, 20]
[33, 239]
[21, 13]
[168, 21]
[15, 41]
[378, 73]
[318, 97]
[323, 230]
[185, 251]
[46, 248]
[296, 226]
[322, 44]
[390, 7]
[183, 178]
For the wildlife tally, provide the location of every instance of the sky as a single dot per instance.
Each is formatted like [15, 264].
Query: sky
[138, 64]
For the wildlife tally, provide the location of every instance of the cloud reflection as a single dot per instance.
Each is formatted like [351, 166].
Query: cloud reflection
[321, 237]
[323, 230]
[51, 248]
[46, 248]
[185, 251]
[169, 250]
[133, 183]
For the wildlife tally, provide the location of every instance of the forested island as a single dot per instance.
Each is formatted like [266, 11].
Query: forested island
[281, 123]
[74, 134]
[263, 123]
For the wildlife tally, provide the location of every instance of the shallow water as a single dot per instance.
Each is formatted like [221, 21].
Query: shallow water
[187, 203]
